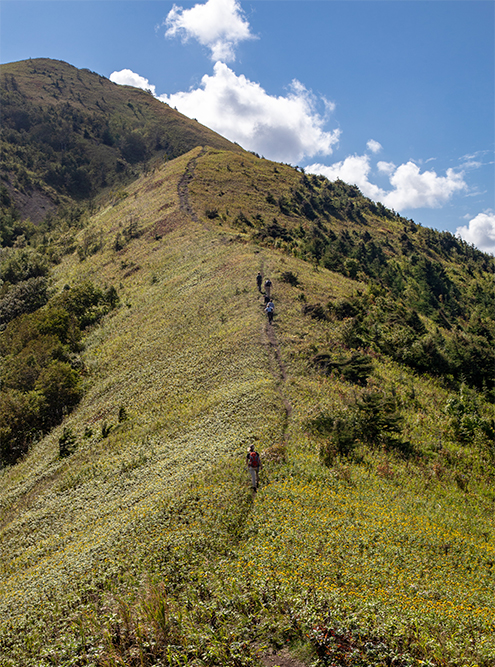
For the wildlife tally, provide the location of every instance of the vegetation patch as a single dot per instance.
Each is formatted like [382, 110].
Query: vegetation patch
[130, 534]
[42, 370]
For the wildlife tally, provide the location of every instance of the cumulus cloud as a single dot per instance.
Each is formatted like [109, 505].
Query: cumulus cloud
[374, 146]
[285, 129]
[127, 77]
[411, 188]
[386, 167]
[219, 25]
[355, 170]
[480, 231]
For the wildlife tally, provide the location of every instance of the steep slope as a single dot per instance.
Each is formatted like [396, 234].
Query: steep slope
[430, 297]
[66, 134]
[142, 543]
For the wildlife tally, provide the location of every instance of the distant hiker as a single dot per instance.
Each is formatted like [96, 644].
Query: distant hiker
[269, 311]
[267, 299]
[253, 463]
[268, 286]
[259, 280]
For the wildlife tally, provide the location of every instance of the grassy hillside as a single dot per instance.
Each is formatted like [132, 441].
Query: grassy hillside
[430, 298]
[67, 134]
[129, 533]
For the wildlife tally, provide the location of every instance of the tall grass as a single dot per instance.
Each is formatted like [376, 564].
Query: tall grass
[146, 546]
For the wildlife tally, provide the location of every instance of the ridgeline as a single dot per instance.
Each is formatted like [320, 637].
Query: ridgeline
[138, 366]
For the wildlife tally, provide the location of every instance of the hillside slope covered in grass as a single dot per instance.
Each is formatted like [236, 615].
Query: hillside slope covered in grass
[129, 533]
[66, 134]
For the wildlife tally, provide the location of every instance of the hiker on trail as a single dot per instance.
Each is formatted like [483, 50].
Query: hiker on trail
[259, 280]
[253, 463]
[269, 311]
[268, 286]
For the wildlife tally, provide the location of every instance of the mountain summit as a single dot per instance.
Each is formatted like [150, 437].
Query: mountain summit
[67, 134]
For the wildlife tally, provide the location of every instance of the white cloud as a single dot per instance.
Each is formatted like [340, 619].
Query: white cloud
[354, 170]
[218, 25]
[127, 77]
[480, 231]
[290, 129]
[285, 129]
[374, 146]
[411, 188]
[386, 167]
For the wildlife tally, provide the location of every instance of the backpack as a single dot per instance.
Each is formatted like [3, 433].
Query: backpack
[254, 459]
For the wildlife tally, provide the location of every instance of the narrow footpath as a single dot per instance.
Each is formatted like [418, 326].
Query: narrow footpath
[268, 336]
[278, 369]
[282, 658]
[183, 188]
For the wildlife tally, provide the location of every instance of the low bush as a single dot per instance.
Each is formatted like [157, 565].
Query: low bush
[371, 418]
[290, 278]
[67, 443]
[24, 297]
[20, 264]
[315, 310]
[466, 421]
[355, 368]
[376, 321]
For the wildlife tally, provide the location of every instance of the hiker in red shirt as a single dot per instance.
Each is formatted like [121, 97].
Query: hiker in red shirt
[253, 463]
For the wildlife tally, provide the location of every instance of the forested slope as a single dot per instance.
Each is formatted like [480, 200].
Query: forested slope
[67, 134]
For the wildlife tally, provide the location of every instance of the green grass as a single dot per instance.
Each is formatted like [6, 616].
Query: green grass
[70, 134]
[146, 547]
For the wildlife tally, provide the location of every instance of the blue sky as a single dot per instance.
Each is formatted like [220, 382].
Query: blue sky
[396, 96]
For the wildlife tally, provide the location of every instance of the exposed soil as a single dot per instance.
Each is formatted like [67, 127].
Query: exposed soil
[183, 187]
[281, 659]
[183, 190]
[34, 206]
[278, 369]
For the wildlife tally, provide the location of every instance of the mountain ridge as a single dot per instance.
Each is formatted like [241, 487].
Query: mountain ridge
[81, 133]
[138, 365]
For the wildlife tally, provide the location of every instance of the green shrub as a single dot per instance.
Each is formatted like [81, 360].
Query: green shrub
[88, 303]
[378, 420]
[290, 278]
[212, 213]
[106, 429]
[372, 418]
[472, 357]
[66, 443]
[22, 264]
[19, 422]
[315, 311]
[466, 420]
[133, 148]
[339, 433]
[24, 297]
[40, 373]
[355, 368]
[60, 386]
